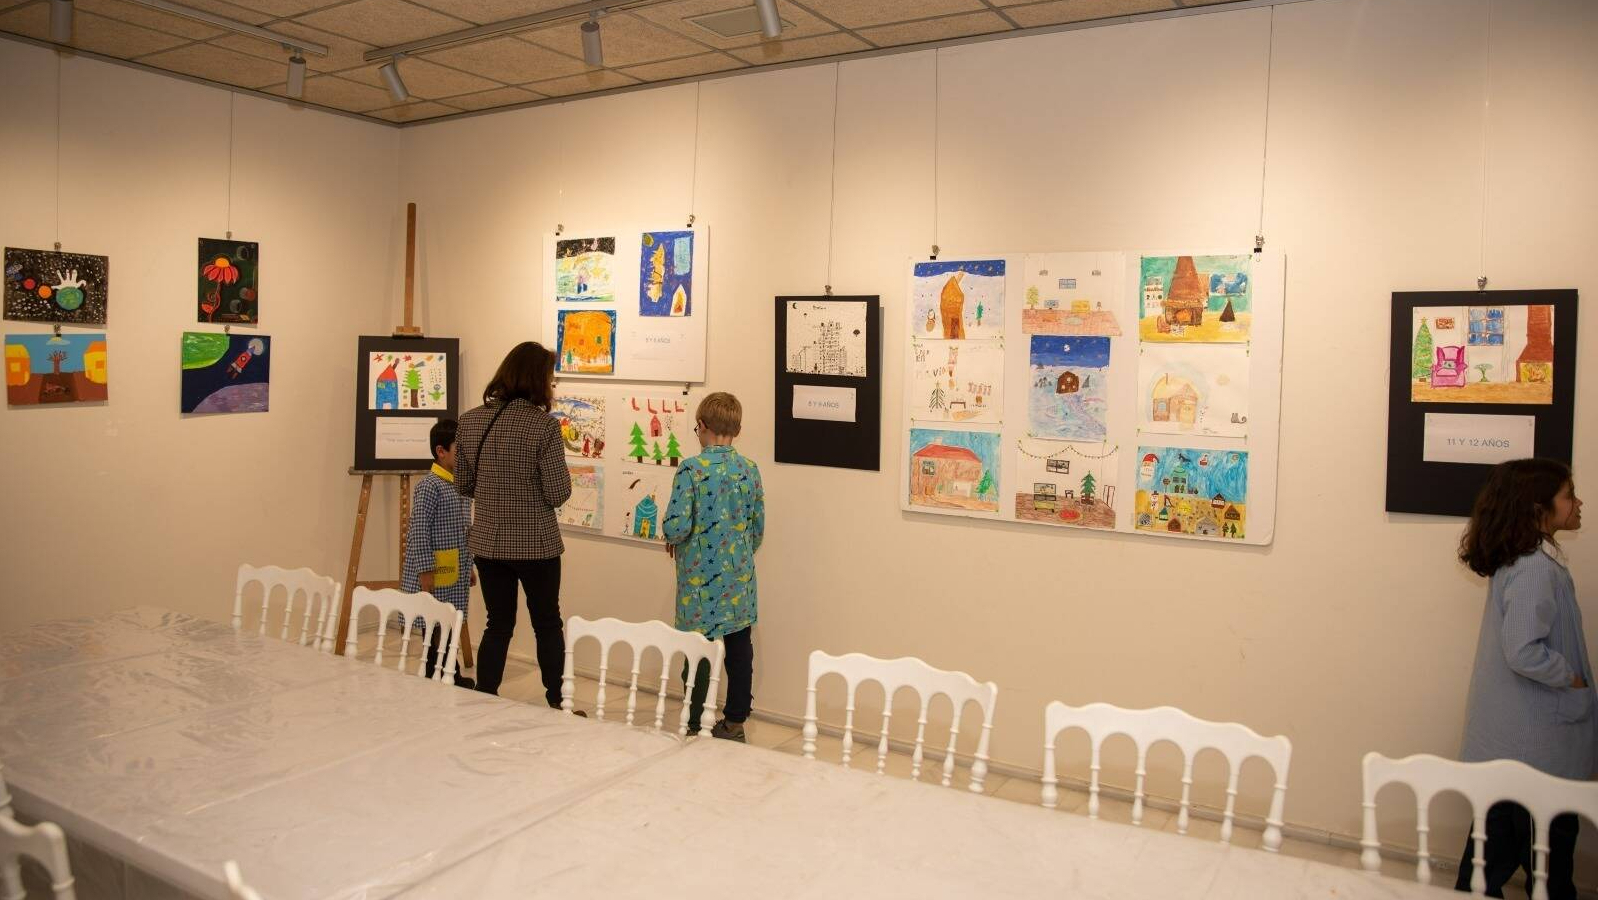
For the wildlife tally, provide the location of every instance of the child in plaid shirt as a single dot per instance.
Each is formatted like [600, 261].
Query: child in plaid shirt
[437, 559]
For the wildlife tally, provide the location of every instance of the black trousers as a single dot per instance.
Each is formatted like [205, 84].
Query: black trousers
[1509, 841]
[540, 580]
[740, 680]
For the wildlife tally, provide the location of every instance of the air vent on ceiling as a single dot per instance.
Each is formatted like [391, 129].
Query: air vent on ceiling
[731, 23]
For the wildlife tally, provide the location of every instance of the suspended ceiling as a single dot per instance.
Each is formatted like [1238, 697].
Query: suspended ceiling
[644, 42]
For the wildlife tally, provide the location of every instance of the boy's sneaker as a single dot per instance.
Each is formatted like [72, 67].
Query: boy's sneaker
[729, 731]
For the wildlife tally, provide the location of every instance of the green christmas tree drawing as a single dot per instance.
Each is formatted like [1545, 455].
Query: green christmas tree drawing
[673, 449]
[636, 448]
[657, 456]
[985, 486]
[413, 383]
[1423, 353]
[1088, 487]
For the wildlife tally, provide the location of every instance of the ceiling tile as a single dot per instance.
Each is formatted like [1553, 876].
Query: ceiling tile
[343, 53]
[123, 11]
[860, 13]
[602, 80]
[248, 16]
[427, 80]
[507, 60]
[1205, 2]
[798, 22]
[935, 29]
[412, 112]
[274, 9]
[1058, 11]
[509, 96]
[90, 32]
[340, 93]
[627, 41]
[686, 67]
[482, 12]
[216, 64]
[805, 48]
[382, 23]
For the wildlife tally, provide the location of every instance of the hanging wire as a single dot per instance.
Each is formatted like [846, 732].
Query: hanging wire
[231, 96]
[1265, 140]
[1486, 114]
[937, 135]
[58, 150]
[832, 201]
[693, 179]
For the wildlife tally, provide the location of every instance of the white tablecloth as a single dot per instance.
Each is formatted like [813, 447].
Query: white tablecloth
[175, 745]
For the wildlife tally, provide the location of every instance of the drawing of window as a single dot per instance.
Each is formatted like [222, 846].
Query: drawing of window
[929, 468]
[1486, 326]
[1063, 466]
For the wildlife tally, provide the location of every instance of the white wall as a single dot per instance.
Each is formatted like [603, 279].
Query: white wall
[1355, 631]
[129, 502]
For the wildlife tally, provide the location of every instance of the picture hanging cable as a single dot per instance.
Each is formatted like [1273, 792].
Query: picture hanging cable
[1486, 119]
[230, 98]
[937, 135]
[693, 165]
[1265, 139]
[58, 151]
[832, 196]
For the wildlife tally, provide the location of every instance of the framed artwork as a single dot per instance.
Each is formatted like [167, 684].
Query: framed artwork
[403, 386]
[229, 281]
[50, 286]
[44, 369]
[829, 381]
[225, 373]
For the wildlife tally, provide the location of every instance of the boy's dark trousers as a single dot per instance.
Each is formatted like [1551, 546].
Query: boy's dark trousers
[740, 679]
[1509, 836]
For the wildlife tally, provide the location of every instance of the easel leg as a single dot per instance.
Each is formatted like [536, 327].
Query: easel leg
[466, 646]
[355, 564]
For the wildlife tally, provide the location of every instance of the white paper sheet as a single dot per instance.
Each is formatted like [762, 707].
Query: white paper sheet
[1484, 440]
[403, 437]
[829, 404]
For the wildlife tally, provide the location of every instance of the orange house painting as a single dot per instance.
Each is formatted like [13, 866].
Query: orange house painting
[587, 341]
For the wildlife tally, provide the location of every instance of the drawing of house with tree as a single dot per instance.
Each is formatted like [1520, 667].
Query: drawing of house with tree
[940, 470]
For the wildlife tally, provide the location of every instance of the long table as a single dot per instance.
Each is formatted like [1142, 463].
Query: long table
[173, 744]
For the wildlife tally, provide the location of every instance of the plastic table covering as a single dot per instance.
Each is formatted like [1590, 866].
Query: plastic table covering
[173, 744]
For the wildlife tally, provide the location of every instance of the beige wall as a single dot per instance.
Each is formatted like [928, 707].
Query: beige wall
[1353, 632]
[128, 501]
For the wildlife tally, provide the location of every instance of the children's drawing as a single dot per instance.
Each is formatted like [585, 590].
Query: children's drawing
[585, 508]
[1196, 299]
[644, 495]
[225, 373]
[46, 286]
[1066, 484]
[957, 381]
[407, 381]
[62, 368]
[827, 338]
[582, 424]
[954, 469]
[1483, 354]
[584, 270]
[1193, 389]
[1067, 394]
[1195, 492]
[1056, 305]
[229, 273]
[957, 299]
[586, 339]
[665, 274]
[655, 428]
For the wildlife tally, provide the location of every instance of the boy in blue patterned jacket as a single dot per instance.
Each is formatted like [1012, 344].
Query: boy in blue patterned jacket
[713, 527]
[437, 559]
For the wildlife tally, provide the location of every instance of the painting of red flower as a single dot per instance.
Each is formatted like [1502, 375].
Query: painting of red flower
[228, 272]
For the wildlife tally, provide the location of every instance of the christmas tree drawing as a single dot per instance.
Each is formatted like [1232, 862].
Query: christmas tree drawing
[636, 448]
[658, 456]
[1423, 353]
[673, 449]
[1088, 487]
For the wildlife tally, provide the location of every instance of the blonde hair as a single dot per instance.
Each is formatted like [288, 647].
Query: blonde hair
[721, 413]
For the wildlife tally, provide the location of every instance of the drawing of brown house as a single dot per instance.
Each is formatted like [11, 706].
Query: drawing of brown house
[1173, 399]
[951, 306]
[941, 470]
[1185, 303]
[1536, 362]
[1068, 383]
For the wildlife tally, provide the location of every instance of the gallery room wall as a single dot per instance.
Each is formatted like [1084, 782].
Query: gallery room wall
[1355, 630]
[111, 504]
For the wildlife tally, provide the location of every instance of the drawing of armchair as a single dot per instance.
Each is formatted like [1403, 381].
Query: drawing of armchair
[1449, 369]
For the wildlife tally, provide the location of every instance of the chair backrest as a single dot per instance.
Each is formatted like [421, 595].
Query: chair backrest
[43, 842]
[236, 887]
[1482, 784]
[665, 640]
[434, 613]
[322, 596]
[1190, 735]
[893, 674]
[10, 871]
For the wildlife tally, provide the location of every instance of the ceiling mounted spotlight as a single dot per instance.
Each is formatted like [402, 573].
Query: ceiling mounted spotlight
[61, 21]
[391, 76]
[770, 22]
[593, 51]
[296, 86]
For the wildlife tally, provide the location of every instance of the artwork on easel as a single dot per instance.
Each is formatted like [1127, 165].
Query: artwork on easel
[49, 286]
[665, 274]
[585, 340]
[653, 429]
[582, 423]
[957, 299]
[225, 373]
[1196, 299]
[229, 281]
[1189, 491]
[63, 368]
[1066, 484]
[645, 492]
[408, 380]
[1193, 389]
[1483, 354]
[585, 507]
[585, 270]
[957, 381]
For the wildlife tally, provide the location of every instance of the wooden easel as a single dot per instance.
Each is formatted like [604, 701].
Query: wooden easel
[408, 329]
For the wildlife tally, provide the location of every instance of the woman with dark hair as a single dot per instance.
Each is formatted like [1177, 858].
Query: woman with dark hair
[1531, 696]
[510, 459]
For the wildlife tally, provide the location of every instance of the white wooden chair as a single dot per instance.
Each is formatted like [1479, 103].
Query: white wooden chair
[1190, 735]
[1483, 784]
[893, 674]
[322, 596]
[434, 613]
[10, 872]
[236, 888]
[43, 842]
[656, 635]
